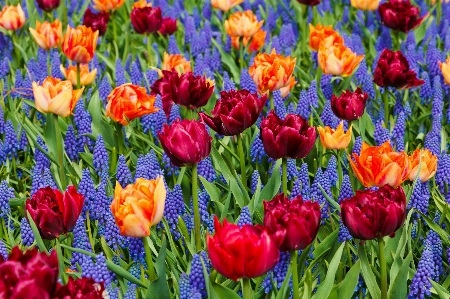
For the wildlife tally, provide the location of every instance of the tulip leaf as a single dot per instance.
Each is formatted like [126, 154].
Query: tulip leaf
[440, 290]
[272, 187]
[99, 125]
[325, 287]
[325, 245]
[442, 233]
[347, 288]
[398, 286]
[368, 275]
[329, 199]
[307, 288]
[228, 62]
[211, 189]
[50, 135]
[159, 288]
[224, 292]
[209, 287]
[106, 60]
[37, 235]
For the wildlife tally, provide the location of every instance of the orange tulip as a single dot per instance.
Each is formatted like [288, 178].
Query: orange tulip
[427, 163]
[272, 71]
[256, 42]
[380, 165]
[242, 24]
[225, 5]
[445, 69]
[335, 139]
[79, 44]
[86, 77]
[139, 206]
[141, 4]
[47, 35]
[318, 34]
[175, 61]
[365, 4]
[338, 60]
[287, 89]
[107, 5]
[56, 96]
[127, 102]
[12, 17]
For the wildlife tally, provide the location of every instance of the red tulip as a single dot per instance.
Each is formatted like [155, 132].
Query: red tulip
[97, 21]
[309, 2]
[291, 137]
[48, 5]
[146, 19]
[234, 112]
[245, 252]
[400, 15]
[53, 212]
[295, 222]
[373, 214]
[393, 70]
[185, 90]
[83, 287]
[168, 26]
[186, 142]
[349, 105]
[30, 275]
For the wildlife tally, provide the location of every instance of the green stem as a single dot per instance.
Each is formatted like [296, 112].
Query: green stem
[382, 268]
[241, 53]
[349, 254]
[294, 257]
[304, 29]
[247, 291]
[89, 231]
[49, 65]
[78, 76]
[340, 165]
[242, 160]
[149, 50]
[386, 106]
[284, 176]
[114, 25]
[60, 149]
[120, 139]
[272, 105]
[148, 258]
[198, 240]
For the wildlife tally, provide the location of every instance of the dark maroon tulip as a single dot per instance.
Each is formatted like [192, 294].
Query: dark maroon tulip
[349, 105]
[97, 21]
[184, 90]
[84, 287]
[168, 26]
[234, 112]
[393, 70]
[294, 223]
[146, 19]
[309, 2]
[400, 15]
[186, 142]
[373, 214]
[48, 5]
[288, 138]
[53, 212]
[29, 275]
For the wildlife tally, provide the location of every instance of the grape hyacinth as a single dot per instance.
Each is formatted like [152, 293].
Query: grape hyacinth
[245, 217]
[123, 174]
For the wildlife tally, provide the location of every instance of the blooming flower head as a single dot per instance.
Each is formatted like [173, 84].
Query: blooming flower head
[107, 5]
[256, 42]
[426, 161]
[400, 15]
[81, 288]
[168, 26]
[320, 34]
[79, 43]
[445, 69]
[338, 59]
[96, 21]
[225, 5]
[365, 4]
[242, 24]
[146, 19]
[349, 105]
[86, 77]
[47, 35]
[12, 17]
[141, 4]
[335, 139]
[48, 5]
[175, 61]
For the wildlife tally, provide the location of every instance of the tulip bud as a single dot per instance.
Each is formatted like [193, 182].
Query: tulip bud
[335, 139]
[96, 21]
[168, 26]
[47, 35]
[12, 17]
[349, 105]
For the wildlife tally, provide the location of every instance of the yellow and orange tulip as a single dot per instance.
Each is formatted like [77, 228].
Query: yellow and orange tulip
[365, 4]
[12, 17]
[141, 4]
[47, 35]
[108, 5]
[56, 96]
[256, 42]
[426, 161]
[319, 33]
[242, 24]
[380, 165]
[338, 59]
[335, 139]
[79, 43]
[225, 5]
[175, 61]
[139, 206]
[445, 69]
[86, 77]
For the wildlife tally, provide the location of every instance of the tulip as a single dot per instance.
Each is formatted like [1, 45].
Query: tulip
[96, 21]
[186, 142]
[139, 206]
[12, 17]
[234, 112]
[365, 4]
[175, 61]
[185, 90]
[245, 252]
[56, 96]
[349, 105]
[393, 70]
[284, 91]
[400, 15]
[374, 214]
[81, 288]
[379, 165]
[28, 274]
[271, 72]
[288, 138]
[320, 34]
[146, 20]
[309, 2]
[426, 161]
[168, 26]
[225, 5]
[48, 5]
[53, 212]
[338, 59]
[86, 77]
[445, 69]
[47, 35]
[335, 139]
[127, 102]
[256, 42]
[107, 5]
[294, 223]
[79, 44]
[141, 4]
[242, 24]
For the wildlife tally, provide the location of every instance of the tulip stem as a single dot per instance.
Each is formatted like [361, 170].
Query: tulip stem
[247, 291]
[198, 241]
[304, 22]
[120, 139]
[60, 149]
[78, 76]
[149, 50]
[386, 106]
[148, 258]
[242, 161]
[114, 25]
[340, 165]
[382, 268]
[49, 65]
[294, 257]
[284, 175]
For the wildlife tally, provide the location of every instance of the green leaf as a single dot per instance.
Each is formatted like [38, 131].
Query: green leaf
[325, 287]
[272, 186]
[442, 233]
[209, 287]
[440, 290]
[237, 193]
[159, 288]
[228, 62]
[37, 235]
[50, 135]
[325, 245]
[329, 199]
[398, 287]
[99, 125]
[307, 288]
[211, 189]
[368, 275]
[224, 292]
[347, 288]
